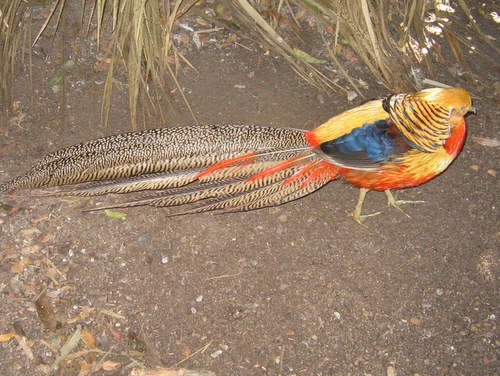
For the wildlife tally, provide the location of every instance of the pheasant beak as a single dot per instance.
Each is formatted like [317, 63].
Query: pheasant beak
[472, 109]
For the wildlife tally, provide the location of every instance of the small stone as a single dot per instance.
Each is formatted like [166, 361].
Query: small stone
[492, 172]
[337, 315]
[415, 321]
[351, 95]
[391, 371]
[199, 299]
[439, 292]
[215, 354]
[474, 167]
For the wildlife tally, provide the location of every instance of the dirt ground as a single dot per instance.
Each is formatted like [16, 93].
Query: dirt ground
[299, 289]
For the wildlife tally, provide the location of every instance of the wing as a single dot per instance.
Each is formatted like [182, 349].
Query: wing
[367, 147]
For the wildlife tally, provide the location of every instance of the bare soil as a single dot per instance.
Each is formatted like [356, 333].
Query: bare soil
[299, 289]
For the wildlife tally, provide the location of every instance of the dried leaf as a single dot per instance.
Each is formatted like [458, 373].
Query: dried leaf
[484, 141]
[88, 338]
[85, 368]
[7, 336]
[45, 310]
[17, 267]
[186, 351]
[109, 365]
[25, 261]
[170, 372]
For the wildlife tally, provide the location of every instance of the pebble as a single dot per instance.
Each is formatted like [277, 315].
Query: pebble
[391, 371]
[199, 298]
[439, 292]
[143, 238]
[415, 321]
[216, 354]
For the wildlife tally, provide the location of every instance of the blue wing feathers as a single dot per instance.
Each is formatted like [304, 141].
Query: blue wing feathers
[367, 146]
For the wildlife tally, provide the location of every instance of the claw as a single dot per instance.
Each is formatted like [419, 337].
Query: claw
[392, 201]
[356, 214]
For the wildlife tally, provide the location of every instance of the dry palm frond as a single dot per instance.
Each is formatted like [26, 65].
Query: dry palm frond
[11, 39]
[142, 40]
[351, 21]
[393, 39]
[254, 22]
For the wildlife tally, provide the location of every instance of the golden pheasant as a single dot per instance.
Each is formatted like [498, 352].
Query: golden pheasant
[395, 142]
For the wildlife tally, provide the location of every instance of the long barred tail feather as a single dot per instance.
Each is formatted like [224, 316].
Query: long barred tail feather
[152, 151]
[198, 169]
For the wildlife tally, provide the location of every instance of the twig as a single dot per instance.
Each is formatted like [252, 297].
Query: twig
[222, 276]
[201, 350]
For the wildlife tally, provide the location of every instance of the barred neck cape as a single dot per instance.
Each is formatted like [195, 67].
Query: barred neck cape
[395, 142]
[423, 124]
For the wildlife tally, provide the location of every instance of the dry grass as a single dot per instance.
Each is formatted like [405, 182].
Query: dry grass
[137, 34]
[142, 39]
[396, 40]
[12, 36]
